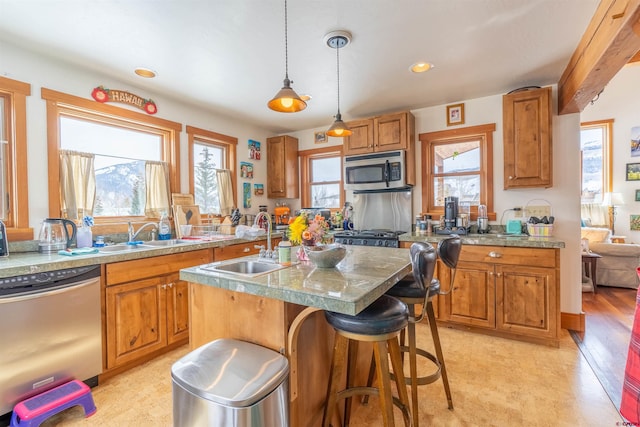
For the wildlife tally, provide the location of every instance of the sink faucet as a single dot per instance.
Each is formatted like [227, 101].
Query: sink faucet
[132, 235]
[269, 252]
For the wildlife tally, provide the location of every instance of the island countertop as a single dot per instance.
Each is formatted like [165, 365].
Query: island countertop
[360, 278]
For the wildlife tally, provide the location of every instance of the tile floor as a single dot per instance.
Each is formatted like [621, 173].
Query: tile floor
[494, 381]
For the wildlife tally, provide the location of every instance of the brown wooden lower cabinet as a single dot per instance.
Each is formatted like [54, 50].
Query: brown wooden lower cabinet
[147, 306]
[511, 292]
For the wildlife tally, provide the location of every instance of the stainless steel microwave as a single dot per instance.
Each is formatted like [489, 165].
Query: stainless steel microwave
[376, 171]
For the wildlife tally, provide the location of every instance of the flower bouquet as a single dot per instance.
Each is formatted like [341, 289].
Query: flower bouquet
[307, 231]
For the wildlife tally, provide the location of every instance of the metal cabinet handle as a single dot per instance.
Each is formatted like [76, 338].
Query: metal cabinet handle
[246, 249]
[170, 285]
[494, 254]
[164, 286]
[499, 274]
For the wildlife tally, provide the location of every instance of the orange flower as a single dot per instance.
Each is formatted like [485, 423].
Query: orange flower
[306, 235]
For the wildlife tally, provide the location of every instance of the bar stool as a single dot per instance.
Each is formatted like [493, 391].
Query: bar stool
[421, 290]
[379, 323]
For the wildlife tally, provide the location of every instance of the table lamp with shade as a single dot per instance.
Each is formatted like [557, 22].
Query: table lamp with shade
[612, 200]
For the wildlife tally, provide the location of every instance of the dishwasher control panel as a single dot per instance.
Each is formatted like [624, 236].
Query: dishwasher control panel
[37, 282]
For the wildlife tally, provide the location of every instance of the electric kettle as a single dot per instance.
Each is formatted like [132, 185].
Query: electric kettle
[54, 234]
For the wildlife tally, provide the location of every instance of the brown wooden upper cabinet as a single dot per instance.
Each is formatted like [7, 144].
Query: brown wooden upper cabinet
[282, 167]
[527, 137]
[382, 133]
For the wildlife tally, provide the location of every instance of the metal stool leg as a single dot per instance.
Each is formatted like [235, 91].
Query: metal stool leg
[436, 342]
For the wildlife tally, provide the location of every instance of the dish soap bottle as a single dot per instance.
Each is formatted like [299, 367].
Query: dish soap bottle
[164, 228]
[284, 252]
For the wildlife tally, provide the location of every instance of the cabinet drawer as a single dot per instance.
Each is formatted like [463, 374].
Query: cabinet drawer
[512, 256]
[127, 271]
[235, 251]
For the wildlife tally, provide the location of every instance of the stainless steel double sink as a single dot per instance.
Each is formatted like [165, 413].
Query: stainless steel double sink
[125, 247]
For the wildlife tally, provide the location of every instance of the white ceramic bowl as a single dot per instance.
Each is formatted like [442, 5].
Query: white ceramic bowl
[326, 256]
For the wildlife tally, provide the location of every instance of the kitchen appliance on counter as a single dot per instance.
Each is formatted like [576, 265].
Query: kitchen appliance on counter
[483, 220]
[453, 222]
[381, 238]
[54, 234]
[51, 332]
[282, 215]
[378, 171]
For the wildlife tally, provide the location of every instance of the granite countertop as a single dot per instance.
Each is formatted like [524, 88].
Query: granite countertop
[20, 263]
[359, 279]
[490, 239]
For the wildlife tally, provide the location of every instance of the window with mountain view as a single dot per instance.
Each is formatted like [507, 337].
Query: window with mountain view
[120, 156]
[122, 150]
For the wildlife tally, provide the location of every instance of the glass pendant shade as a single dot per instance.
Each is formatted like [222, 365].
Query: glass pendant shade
[339, 128]
[287, 100]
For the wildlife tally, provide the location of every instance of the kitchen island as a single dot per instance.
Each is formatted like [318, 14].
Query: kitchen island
[282, 310]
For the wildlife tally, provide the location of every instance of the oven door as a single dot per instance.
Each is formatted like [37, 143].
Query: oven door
[375, 171]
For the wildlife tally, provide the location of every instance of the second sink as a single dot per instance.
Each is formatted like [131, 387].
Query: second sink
[244, 268]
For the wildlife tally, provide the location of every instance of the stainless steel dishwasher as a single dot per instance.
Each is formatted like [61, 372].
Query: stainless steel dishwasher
[51, 332]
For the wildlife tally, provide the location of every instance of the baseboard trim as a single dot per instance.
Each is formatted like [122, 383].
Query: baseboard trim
[573, 321]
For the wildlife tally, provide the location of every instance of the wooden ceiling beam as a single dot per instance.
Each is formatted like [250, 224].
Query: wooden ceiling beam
[609, 42]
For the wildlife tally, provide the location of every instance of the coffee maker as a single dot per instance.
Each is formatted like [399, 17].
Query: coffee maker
[282, 214]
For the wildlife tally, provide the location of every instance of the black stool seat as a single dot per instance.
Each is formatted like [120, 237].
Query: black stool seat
[385, 315]
[411, 289]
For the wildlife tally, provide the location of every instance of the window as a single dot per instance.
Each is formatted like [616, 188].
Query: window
[321, 173]
[119, 162]
[14, 209]
[458, 163]
[210, 152]
[595, 160]
[122, 143]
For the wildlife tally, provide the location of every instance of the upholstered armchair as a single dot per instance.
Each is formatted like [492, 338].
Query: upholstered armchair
[619, 261]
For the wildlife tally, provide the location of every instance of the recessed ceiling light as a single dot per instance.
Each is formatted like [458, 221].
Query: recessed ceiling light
[145, 72]
[421, 67]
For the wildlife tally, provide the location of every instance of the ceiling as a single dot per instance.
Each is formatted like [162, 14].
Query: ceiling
[227, 56]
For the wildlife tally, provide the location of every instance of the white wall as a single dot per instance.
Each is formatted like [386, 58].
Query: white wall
[40, 71]
[564, 196]
[618, 101]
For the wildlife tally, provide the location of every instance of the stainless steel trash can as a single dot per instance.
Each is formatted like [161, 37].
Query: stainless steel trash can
[231, 383]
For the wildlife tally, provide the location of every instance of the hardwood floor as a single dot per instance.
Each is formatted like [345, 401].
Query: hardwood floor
[494, 381]
[609, 318]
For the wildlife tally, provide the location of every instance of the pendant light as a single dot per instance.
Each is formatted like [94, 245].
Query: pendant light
[337, 40]
[286, 100]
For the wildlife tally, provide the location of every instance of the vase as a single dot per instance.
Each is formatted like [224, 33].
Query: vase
[301, 254]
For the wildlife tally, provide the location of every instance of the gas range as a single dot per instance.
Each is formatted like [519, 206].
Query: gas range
[383, 238]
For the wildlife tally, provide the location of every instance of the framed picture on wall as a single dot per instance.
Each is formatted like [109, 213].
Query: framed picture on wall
[633, 171]
[320, 137]
[455, 114]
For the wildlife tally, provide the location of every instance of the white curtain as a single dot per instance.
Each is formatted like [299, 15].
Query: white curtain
[597, 214]
[158, 194]
[77, 183]
[225, 191]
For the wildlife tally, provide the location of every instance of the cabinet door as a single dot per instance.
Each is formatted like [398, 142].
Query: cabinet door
[527, 139]
[282, 167]
[136, 320]
[527, 300]
[177, 309]
[391, 132]
[361, 140]
[472, 297]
